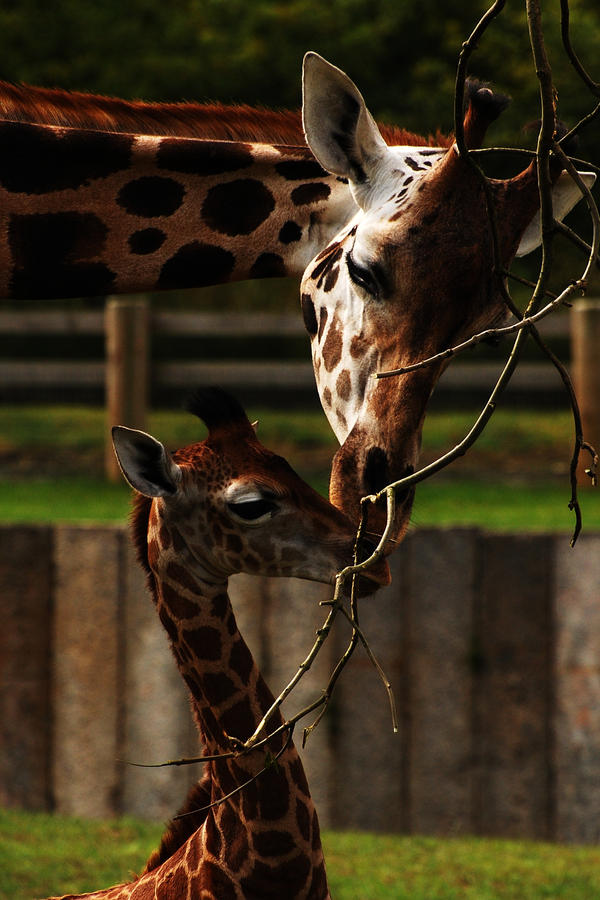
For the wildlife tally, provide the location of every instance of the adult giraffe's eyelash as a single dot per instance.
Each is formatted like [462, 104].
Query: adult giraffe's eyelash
[250, 510]
[363, 277]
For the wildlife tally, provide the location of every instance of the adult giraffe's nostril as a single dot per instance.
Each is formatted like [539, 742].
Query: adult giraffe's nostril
[376, 474]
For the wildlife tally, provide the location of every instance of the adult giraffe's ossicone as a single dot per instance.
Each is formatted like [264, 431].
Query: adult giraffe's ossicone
[410, 275]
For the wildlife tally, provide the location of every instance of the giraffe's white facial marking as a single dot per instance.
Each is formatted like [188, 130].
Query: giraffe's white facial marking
[345, 289]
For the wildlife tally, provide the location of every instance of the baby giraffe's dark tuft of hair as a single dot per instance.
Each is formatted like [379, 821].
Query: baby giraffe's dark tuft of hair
[217, 408]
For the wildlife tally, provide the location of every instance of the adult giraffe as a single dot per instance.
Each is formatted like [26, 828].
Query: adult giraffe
[391, 236]
[220, 506]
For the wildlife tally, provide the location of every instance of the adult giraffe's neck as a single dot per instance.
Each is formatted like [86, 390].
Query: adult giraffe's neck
[86, 213]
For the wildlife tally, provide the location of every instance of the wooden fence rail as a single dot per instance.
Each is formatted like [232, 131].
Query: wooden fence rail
[491, 642]
[20, 377]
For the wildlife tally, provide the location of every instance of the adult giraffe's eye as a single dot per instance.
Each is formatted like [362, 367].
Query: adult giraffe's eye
[363, 278]
[252, 510]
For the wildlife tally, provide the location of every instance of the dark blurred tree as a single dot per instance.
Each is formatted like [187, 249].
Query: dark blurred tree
[402, 54]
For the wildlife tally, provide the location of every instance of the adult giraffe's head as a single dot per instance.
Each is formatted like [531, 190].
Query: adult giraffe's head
[409, 276]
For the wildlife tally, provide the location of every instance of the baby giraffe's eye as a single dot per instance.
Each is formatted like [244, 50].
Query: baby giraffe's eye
[253, 509]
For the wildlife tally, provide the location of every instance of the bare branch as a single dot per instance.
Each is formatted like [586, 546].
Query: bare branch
[583, 123]
[537, 308]
[271, 761]
[594, 86]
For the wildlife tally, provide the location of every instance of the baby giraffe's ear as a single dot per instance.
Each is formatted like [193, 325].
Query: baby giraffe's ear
[145, 463]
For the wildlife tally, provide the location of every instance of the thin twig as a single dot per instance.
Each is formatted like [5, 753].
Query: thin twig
[572, 236]
[583, 123]
[303, 668]
[271, 762]
[341, 664]
[379, 669]
[594, 86]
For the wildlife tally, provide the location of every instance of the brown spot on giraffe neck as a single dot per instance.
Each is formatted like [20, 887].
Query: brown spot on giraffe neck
[151, 196]
[358, 346]
[300, 170]
[204, 642]
[343, 385]
[218, 687]
[179, 607]
[237, 207]
[303, 819]
[273, 843]
[332, 347]
[322, 322]
[308, 314]
[220, 606]
[240, 660]
[146, 241]
[180, 575]
[239, 721]
[217, 881]
[325, 262]
[268, 265]
[310, 193]
[168, 624]
[266, 879]
[318, 885]
[299, 776]
[290, 232]
[43, 247]
[196, 265]
[341, 418]
[37, 160]
[331, 279]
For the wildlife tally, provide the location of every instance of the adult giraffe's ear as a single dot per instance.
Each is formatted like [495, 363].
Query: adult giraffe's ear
[565, 194]
[339, 128]
[145, 463]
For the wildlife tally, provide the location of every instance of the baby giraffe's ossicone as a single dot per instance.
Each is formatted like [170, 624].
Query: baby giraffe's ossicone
[224, 505]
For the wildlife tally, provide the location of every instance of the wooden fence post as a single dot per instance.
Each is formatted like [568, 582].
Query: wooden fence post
[127, 329]
[585, 356]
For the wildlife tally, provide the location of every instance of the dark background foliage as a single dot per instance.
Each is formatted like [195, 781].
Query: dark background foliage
[402, 54]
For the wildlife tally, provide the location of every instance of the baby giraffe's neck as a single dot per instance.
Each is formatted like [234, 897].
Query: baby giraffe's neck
[266, 831]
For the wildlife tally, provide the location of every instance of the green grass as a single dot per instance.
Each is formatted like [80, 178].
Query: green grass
[41, 855]
[502, 506]
[497, 506]
[514, 478]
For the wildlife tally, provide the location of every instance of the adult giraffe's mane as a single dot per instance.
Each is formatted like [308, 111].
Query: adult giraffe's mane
[212, 121]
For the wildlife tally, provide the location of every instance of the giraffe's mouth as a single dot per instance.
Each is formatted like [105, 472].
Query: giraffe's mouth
[371, 579]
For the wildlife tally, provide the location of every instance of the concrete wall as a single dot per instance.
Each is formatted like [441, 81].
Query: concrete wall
[492, 644]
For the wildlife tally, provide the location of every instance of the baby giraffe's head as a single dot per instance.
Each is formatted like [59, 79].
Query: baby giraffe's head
[227, 504]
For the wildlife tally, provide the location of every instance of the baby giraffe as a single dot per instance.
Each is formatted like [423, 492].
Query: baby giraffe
[218, 507]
